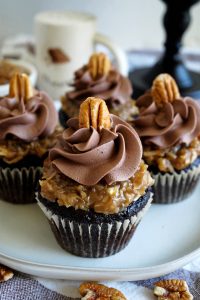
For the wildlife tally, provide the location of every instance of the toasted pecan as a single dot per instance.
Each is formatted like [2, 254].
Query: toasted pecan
[99, 65]
[172, 289]
[164, 89]
[5, 274]
[95, 291]
[20, 87]
[94, 112]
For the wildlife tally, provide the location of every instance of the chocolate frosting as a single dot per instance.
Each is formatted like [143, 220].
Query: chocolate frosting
[87, 156]
[113, 87]
[35, 118]
[175, 123]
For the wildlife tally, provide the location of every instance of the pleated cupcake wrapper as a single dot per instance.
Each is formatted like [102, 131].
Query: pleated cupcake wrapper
[173, 188]
[18, 185]
[93, 240]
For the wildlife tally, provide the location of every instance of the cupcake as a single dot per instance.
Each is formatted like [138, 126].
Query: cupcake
[99, 79]
[95, 187]
[169, 128]
[28, 130]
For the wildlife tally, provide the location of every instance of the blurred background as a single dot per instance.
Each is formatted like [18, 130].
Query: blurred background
[132, 24]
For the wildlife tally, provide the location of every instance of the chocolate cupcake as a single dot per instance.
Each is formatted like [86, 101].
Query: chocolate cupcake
[99, 79]
[28, 130]
[169, 127]
[95, 188]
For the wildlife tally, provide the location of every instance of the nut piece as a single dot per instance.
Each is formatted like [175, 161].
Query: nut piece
[99, 65]
[94, 112]
[164, 89]
[172, 289]
[20, 87]
[95, 291]
[5, 274]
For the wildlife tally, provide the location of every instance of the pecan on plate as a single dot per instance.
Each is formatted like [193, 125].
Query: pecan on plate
[172, 289]
[95, 291]
[99, 65]
[94, 112]
[164, 89]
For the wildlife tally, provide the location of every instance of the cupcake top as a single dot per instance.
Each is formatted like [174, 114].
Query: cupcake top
[28, 122]
[166, 120]
[99, 78]
[25, 115]
[97, 150]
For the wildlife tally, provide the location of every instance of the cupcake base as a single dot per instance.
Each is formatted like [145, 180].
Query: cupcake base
[175, 187]
[90, 234]
[19, 181]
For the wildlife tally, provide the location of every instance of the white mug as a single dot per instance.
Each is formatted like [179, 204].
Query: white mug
[64, 42]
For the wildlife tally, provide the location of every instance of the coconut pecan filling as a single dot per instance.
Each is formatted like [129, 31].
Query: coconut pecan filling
[102, 198]
[169, 160]
[14, 150]
[126, 111]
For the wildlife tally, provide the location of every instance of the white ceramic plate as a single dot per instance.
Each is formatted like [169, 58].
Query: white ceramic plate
[167, 238]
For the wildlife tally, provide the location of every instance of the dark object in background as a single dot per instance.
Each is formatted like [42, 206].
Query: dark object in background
[63, 117]
[176, 21]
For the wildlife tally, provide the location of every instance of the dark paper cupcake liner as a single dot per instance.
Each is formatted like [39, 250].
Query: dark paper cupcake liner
[172, 188]
[18, 185]
[95, 238]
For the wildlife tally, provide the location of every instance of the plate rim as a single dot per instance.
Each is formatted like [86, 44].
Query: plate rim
[80, 273]
[47, 269]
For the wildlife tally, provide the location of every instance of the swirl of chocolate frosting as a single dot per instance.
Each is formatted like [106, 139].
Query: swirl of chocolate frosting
[114, 88]
[87, 156]
[27, 120]
[174, 123]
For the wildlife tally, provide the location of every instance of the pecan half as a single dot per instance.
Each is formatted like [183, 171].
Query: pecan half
[99, 65]
[20, 87]
[94, 112]
[95, 291]
[5, 274]
[172, 289]
[164, 89]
